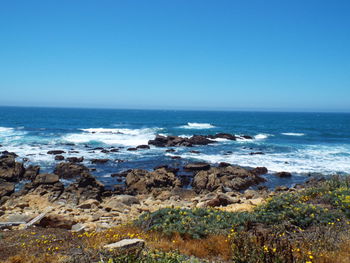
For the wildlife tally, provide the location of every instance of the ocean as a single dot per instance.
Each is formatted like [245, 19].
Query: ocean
[299, 143]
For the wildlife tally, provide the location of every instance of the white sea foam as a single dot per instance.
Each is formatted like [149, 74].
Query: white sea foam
[316, 158]
[261, 136]
[125, 137]
[293, 133]
[198, 126]
[5, 129]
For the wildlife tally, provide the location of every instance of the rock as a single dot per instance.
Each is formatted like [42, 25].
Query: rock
[247, 137]
[31, 172]
[167, 168]
[99, 161]
[223, 164]
[175, 157]
[126, 199]
[126, 244]
[229, 177]
[170, 150]
[57, 221]
[6, 188]
[196, 152]
[222, 200]
[59, 157]
[105, 151]
[143, 147]
[55, 152]
[88, 204]
[75, 159]
[170, 141]
[255, 153]
[142, 182]
[259, 170]
[283, 174]
[68, 170]
[198, 166]
[86, 187]
[10, 170]
[132, 149]
[114, 150]
[226, 136]
[46, 179]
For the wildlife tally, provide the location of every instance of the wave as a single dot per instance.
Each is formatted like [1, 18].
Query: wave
[196, 125]
[261, 136]
[293, 133]
[312, 159]
[125, 137]
[5, 129]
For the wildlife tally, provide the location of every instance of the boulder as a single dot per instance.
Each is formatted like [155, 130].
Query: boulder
[88, 204]
[224, 178]
[57, 221]
[126, 244]
[10, 170]
[170, 141]
[99, 161]
[283, 174]
[6, 188]
[198, 166]
[75, 159]
[46, 179]
[31, 172]
[126, 199]
[259, 170]
[55, 152]
[132, 149]
[68, 170]
[59, 157]
[142, 181]
[144, 146]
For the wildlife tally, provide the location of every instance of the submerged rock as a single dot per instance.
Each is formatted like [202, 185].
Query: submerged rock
[55, 152]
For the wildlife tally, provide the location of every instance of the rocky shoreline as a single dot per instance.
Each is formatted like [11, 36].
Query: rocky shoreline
[87, 204]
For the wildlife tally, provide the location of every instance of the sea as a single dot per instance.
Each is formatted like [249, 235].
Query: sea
[303, 144]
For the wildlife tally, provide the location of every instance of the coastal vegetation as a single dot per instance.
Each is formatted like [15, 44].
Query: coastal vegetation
[308, 225]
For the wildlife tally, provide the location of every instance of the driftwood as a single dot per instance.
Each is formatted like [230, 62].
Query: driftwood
[26, 224]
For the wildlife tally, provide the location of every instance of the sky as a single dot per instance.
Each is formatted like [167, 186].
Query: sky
[291, 55]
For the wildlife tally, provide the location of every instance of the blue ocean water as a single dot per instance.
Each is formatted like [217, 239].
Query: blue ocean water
[300, 143]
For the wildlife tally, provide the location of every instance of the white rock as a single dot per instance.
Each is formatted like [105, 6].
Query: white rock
[126, 243]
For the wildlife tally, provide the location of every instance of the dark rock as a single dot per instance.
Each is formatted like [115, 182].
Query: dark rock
[143, 147]
[56, 221]
[105, 151]
[132, 149]
[223, 164]
[10, 170]
[75, 159]
[114, 150]
[46, 179]
[6, 188]
[69, 170]
[259, 170]
[197, 152]
[226, 136]
[221, 200]
[55, 152]
[255, 153]
[167, 168]
[170, 150]
[283, 174]
[31, 172]
[99, 161]
[198, 166]
[73, 151]
[170, 141]
[247, 137]
[59, 157]
[98, 148]
[175, 157]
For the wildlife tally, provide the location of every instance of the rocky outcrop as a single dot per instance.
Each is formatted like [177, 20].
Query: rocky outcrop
[141, 181]
[46, 179]
[86, 187]
[68, 170]
[10, 170]
[75, 159]
[259, 170]
[99, 161]
[229, 178]
[169, 141]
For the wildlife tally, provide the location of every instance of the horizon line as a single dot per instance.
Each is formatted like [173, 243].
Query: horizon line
[276, 110]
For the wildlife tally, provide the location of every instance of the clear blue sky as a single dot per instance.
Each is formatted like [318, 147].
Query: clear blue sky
[191, 54]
